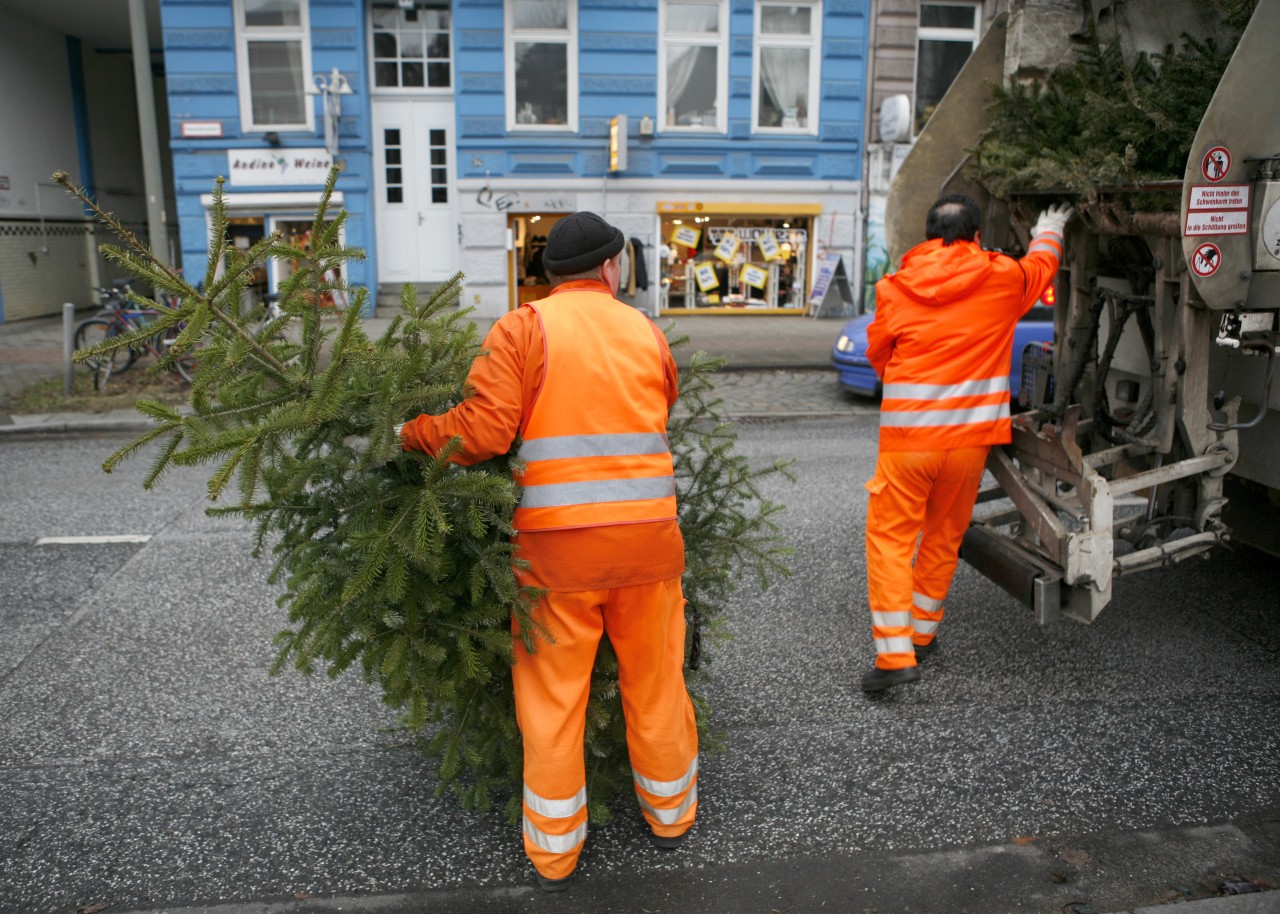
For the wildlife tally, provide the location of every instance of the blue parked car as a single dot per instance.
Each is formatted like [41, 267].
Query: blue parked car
[849, 354]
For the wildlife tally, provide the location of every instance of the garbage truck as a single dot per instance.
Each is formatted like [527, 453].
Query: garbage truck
[1150, 428]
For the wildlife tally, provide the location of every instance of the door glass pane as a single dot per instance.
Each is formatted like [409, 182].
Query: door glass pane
[411, 74]
[697, 18]
[540, 14]
[438, 154]
[272, 12]
[438, 75]
[391, 159]
[412, 44]
[937, 65]
[691, 86]
[542, 94]
[785, 20]
[275, 82]
[387, 74]
[434, 20]
[936, 15]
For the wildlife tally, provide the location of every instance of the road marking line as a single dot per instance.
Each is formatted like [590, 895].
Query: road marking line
[78, 540]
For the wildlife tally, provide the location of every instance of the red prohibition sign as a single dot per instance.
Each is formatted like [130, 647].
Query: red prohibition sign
[1216, 163]
[1206, 259]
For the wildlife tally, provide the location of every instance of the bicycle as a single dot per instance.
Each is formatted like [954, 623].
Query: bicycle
[117, 316]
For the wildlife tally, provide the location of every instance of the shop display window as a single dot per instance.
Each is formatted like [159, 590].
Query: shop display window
[733, 262]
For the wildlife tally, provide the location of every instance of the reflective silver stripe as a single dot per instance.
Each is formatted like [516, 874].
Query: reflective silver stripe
[897, 645]
[555, 809]
[1044, 243]
[925, 627]
[555, 844]
[671, 816]
[974, 388]
[667, 788]
[554, 495]
[564, 446]
[928, 604]
[988, 413]
[891, 620]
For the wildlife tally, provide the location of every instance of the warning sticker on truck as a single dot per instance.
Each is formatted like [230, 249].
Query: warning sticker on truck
[1221, 196]
[1212, 222]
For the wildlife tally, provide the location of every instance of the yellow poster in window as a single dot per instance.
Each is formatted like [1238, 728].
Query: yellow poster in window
[753, 276]
[769, 246]
[686, 236]
[704, 274]
[728, 247]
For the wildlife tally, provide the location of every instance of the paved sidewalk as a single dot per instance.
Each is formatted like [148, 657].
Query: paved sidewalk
[775, 366]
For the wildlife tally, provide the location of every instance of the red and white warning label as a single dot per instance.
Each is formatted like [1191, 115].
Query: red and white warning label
[1220, 196]
[1216, 163]
[1206, 259]
[1212, 222]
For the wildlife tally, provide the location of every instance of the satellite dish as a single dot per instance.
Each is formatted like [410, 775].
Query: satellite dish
[895, 119]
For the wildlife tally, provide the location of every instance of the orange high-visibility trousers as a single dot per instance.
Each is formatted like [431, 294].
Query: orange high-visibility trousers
[645, 624]
[924, 496]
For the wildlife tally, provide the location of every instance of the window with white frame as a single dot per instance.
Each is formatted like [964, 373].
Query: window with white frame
[693, 69]
[786, 64]
[947, 35]
[542, 64]
[411, 45]
[273, 51]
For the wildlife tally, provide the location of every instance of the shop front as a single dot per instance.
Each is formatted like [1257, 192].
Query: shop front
[735, 258]
[291, 216]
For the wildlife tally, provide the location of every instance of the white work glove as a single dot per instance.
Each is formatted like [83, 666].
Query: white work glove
[359, 446]
[1054, 219]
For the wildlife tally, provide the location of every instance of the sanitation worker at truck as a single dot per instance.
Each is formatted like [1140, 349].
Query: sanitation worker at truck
[941, 343]
[587, 382]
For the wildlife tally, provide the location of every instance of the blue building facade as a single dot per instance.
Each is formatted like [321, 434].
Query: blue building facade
[723, 136]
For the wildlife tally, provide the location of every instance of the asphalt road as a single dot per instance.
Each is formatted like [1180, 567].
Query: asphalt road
[148, 762]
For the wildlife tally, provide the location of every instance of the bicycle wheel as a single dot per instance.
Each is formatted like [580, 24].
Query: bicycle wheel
[187, 363]
[93, 331]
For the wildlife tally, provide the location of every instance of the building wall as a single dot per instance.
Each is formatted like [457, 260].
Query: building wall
[200, 61]
[503, 173]
[893, 50]
[47, 246]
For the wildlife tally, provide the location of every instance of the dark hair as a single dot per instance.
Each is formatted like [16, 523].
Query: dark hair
[951, 217]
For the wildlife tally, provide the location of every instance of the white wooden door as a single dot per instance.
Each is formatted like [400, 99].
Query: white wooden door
[417, 220]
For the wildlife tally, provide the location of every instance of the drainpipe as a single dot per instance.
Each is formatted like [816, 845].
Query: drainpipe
[152, 177]
[873, 24]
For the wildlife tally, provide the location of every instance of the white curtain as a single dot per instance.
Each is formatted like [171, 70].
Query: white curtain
[784, 73]
[680, 63]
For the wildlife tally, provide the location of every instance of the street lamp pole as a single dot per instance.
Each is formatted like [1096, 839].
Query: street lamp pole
[331, 87]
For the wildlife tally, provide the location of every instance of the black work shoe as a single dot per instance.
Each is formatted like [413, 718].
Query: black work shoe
[666, 843]
[553, 885]
[924, 650]
[878, 680]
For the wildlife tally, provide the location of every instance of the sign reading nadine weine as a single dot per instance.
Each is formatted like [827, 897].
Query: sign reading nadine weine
[258, 167]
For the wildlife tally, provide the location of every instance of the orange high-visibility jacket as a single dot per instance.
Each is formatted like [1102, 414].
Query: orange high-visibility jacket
[942, 338]
[594, 443]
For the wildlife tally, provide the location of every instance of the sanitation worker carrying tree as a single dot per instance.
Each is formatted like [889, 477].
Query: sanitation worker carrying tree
[587, 382]
[941, 343]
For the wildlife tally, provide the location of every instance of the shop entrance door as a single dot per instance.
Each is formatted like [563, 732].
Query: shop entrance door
[417, 219]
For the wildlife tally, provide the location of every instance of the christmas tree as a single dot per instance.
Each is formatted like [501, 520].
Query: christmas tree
[399, 563]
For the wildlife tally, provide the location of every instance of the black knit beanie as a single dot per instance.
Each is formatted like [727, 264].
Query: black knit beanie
[579, 242]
